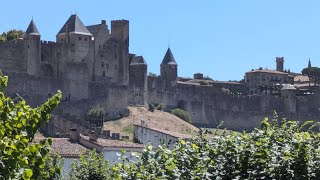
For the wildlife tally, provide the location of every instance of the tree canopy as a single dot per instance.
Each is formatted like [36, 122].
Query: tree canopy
[313, 73]
[11, 35]
[20, 157]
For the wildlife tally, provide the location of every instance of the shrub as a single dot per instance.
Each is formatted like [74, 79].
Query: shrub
[96, 112]
[91, 166]
[225, 90]
[161, 107]
[203, 83]
[182, 114]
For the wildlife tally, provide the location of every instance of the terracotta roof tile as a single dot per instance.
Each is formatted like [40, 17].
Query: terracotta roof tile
[64, 147]
[114, 143]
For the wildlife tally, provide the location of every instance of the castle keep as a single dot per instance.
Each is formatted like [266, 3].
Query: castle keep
[92, 67]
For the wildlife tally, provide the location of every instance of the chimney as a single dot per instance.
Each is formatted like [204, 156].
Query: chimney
[103, 22]
[74, 136]
[198, 76]
[93, 136]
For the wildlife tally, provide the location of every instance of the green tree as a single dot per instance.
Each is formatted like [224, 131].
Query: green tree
[2, 39]
[20, 158]
[313, 73]
[11, 35]
[207, 78]
[152, 74]
[91, 166]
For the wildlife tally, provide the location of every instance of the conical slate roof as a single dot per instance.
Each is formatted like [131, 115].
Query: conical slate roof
[32, 29]
[75, 25]
[309, 64]
[168, 58]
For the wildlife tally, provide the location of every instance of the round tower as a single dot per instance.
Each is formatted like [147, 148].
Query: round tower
[288, 93]
[33, 49]
[169, 67]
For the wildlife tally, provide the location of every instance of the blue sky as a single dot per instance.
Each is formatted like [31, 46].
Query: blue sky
[222, 39]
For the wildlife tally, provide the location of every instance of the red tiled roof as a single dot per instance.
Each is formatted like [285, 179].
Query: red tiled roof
[113, 143]
[64, 147]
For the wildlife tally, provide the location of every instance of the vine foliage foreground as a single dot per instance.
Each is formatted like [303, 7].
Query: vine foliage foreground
[278, 149]
[20, 157]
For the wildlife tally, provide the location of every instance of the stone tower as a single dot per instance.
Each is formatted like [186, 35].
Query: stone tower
[169, 67]
[76, 38]
[279, 61]
[138, 81]
[288, 93]
[33, 49]
[120, 32]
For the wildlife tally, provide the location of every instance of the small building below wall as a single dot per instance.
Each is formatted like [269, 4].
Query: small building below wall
[157, 137]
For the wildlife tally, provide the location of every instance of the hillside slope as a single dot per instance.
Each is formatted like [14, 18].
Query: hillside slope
[157, 119]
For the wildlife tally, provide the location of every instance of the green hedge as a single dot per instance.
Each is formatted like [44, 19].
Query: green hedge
[272, 151]
[182, 114]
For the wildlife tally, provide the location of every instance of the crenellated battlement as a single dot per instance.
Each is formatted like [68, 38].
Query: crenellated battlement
[48, 42]
[119, 22]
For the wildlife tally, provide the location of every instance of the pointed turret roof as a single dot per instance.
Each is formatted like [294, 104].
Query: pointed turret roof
[75, 25]
[309, 64]
[32, 29]
[168, 58]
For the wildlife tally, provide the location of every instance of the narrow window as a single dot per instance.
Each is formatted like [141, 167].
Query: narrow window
[79, 38]
[102, 64]
[85, 39]
[103, 74]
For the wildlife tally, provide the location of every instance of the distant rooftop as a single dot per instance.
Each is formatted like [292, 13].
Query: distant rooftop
[288, 87]
[113, 143]
[137, 60]
[63, 146]
[267, 71]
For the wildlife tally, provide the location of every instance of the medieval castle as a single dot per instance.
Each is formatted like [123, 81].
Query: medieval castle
[92, 66]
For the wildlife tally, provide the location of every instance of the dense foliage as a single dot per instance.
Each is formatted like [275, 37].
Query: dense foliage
[275, 150]
[152, 74]
[313, 73]
[91, 166]
[96, 112]
[20, 158]
[11, 35]
[182, 114]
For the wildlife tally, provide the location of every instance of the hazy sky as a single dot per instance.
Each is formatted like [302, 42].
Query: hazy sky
[220, 38]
